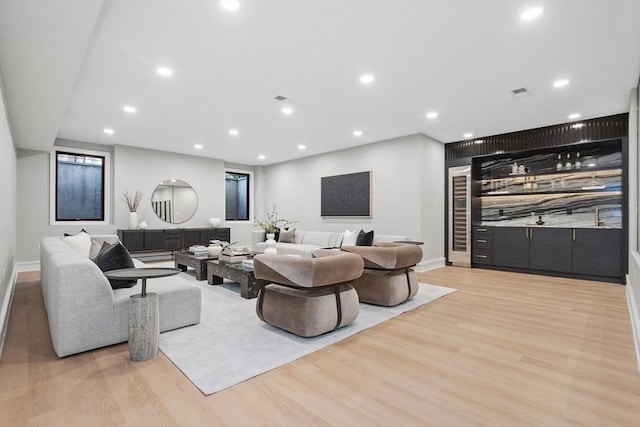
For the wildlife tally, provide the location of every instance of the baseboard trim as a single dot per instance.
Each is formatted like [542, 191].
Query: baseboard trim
[430, 264]
[5, 310]
[634, 315]
[28, 266]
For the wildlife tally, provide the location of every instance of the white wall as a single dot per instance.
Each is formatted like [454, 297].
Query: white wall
[407, 197]
[33, 204]
[8, 190]
[633, 279]
[142, 170]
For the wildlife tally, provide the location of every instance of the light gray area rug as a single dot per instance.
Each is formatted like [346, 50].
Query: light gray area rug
[231, 345]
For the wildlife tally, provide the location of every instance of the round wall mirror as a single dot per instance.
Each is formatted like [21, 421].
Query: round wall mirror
[174, 201]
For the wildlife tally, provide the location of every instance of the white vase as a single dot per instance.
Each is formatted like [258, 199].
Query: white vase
[215, 222]
[270, 244]
[133, 220]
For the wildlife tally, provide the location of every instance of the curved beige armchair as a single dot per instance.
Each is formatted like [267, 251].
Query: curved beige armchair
[308, 296]
[388, 278]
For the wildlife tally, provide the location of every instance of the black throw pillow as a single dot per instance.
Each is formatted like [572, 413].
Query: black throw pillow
[113, 257]
[365, 239]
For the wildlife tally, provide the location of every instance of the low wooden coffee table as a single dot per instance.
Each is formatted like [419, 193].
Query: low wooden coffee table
[217, 271]
[197, 262]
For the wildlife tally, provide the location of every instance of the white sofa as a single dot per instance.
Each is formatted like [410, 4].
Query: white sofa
[306, 242]
[86, 313]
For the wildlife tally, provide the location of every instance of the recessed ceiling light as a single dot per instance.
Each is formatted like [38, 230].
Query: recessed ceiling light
[173, 180]
[164, 71]
[302, 147]
[233, 132]
[230, 4]
[357, 133]
[198, 146]
[432, 115]
[574, 115]
[468, 135]
[366, 79]
[287, 110]
[262, 157]
[108, 131]
[531, 13]
[129, 109]
[560, 83]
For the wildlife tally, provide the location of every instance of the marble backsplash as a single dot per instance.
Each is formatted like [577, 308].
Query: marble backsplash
[557, 210]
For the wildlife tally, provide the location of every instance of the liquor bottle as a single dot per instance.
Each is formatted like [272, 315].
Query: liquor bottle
[568, 164]
[559, 165]
[578, 162]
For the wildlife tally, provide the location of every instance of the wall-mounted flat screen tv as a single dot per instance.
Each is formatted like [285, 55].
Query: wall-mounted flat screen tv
[346, 195]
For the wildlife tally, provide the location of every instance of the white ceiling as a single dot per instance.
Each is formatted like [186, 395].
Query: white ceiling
[459, 58]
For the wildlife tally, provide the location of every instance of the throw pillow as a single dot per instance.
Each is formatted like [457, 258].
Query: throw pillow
[349, 238]
[113, 257]
[287, 236]
[365, 239]
[96, 246]
[81, 242]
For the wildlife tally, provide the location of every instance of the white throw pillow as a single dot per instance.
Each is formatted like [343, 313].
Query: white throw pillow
[349, 238]
[81, 242]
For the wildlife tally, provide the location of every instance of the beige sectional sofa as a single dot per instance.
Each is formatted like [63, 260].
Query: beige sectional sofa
[307, 241]
[86, 313]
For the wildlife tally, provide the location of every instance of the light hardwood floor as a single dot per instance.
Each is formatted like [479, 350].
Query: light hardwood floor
[505, 350]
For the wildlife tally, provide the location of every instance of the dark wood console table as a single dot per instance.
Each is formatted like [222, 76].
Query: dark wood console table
[171, 239]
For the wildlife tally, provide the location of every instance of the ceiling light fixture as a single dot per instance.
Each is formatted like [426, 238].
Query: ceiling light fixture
[232, 5]
[302, 147]
[366, 79]
[108, 131]
[164, 71]
[468, 135]
[560, 83]
[432, 115]
[198, 146]
[574, 115]
[357, 133]
[287, 110]
[262, 157]
[233, 132]
[129, 109]
[531, 13]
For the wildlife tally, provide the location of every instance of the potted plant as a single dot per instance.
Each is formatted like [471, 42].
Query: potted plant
[272, 223]
[132, 203]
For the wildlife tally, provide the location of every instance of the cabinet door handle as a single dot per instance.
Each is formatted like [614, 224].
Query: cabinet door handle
[481, 240]
[481, 256]
[531, 233]
[526, 233]
[481, 229]
[574, 234]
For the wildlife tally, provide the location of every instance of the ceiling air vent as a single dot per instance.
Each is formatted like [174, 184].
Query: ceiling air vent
[281, 98]
[519, 93]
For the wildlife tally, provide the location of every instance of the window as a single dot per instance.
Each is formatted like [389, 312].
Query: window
[237, 185]
[79, 181]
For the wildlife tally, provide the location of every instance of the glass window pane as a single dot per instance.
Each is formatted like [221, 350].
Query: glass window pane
[79, 187]
[237, 196]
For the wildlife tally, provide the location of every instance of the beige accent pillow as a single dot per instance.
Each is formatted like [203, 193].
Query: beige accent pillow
[287, 236]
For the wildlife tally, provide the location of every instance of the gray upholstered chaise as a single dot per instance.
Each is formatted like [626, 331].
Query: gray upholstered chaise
[85, 312]
[308, 296]
[388, 278]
